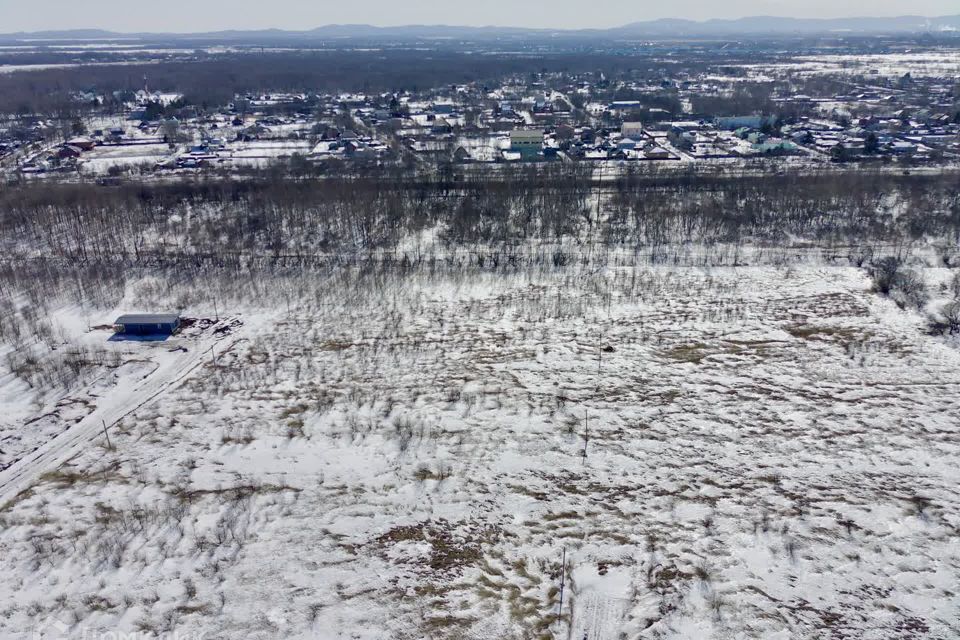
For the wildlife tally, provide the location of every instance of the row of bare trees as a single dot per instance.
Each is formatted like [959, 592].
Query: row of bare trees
[273, 216]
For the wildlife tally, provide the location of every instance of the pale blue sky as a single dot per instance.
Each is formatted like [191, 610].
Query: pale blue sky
[205, 15]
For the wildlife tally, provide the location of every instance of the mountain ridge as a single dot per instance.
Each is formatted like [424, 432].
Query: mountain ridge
[749, 25]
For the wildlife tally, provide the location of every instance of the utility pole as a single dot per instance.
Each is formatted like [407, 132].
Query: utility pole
[216, 313]
[563, 576]
[107, 434]
[586, 434]
[600, 189]
[213, 356]
[599, 194]
[600, 354]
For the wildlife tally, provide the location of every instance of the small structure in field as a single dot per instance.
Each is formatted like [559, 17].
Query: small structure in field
[147, 324]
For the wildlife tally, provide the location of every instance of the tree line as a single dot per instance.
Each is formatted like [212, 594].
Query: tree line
[271, 214]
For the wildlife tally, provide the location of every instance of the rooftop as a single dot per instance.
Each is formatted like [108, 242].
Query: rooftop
[147, 318]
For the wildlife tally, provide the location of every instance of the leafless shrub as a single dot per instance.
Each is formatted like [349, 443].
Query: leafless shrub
[313, 611]
[904, 286]
[954, 285]
[951, 314]
[189, 589]
[295, 428]
[703, 571]
[790, 547]
[716, 604]
[885, 272]
[911, 290]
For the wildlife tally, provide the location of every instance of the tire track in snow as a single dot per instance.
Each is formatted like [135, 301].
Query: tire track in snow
[24, 473]
[597, 617]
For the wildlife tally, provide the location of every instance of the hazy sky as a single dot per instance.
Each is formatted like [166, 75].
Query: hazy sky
[204, 15]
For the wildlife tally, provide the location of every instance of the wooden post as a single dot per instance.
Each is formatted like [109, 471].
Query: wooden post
[599, 192]
[563, 576]
[107, 434]
[599, 356]
[586, 433]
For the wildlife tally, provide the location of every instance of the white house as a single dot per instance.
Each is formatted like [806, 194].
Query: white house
[632, 130]
[527, 142]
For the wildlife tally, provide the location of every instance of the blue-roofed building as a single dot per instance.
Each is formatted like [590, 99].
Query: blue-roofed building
[147, 324]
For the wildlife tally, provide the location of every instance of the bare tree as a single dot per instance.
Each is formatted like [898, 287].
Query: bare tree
[951, 313]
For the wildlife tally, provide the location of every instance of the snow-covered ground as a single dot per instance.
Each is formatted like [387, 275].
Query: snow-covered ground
[917, 63]
[154, 368]
[748, 452]
[100, 159]
[269, 148]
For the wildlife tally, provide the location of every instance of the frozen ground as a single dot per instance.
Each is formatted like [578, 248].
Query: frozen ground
[751, 452]
[100, 159]
[155, 365]
[261, 153]
[918, 63]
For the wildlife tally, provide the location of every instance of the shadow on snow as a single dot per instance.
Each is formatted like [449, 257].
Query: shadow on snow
[133, 337]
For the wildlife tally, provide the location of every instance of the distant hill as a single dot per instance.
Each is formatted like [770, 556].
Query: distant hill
[774, 25]
[755, 25]
[71, 34]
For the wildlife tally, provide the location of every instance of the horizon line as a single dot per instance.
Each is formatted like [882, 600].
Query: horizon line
[692, 21]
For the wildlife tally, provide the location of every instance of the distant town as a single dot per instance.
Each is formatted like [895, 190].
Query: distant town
[900, 108]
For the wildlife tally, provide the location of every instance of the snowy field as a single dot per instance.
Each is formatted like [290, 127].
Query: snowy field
[261, 153]
[99, 159]
[945, 62]
[741, 452]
